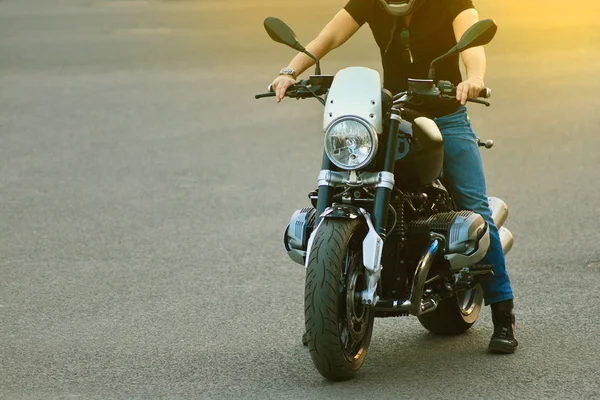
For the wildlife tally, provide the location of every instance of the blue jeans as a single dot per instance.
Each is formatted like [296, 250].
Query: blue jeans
[463, 170]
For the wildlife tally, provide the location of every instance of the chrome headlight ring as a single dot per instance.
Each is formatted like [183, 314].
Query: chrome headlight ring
[350, 143]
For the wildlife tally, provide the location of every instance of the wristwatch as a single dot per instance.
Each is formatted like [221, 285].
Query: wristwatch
[288, 71]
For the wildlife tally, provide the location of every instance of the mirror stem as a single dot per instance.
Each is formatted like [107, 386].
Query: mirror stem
[308, 53]
[318, 68]
[318, 64]
[432, 72]
[431, 67]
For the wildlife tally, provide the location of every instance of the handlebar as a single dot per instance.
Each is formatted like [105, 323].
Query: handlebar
[448, 91]
[426, 90]
[444, 90]
[263, 95]
[301, 90]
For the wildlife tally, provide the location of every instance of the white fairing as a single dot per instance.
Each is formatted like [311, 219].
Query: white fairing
[356, 91]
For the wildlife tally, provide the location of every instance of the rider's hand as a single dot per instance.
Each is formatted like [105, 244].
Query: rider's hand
[281, 84]
[469, 89]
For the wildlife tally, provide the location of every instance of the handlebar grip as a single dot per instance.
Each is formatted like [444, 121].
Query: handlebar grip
[291, 91]
[260, 96]
[486, 93]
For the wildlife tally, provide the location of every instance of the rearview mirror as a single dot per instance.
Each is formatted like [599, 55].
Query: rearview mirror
[479, 34]
[281, 33]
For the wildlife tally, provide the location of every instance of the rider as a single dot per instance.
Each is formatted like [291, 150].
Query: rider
[410, 34]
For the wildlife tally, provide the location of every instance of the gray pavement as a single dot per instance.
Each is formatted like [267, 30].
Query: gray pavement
[143, 194]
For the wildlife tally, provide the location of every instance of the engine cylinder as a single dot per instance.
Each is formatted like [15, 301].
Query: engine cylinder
[466, 233]
[295, 237]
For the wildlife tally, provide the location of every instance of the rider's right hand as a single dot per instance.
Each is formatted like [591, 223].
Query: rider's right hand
[281, 84]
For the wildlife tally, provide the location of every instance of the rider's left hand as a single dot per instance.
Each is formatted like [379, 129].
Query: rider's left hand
[469, 89]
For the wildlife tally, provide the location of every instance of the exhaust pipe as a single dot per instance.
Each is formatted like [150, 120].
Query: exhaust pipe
[499, 211]
[499, 214]
[415, 305]
[506, 238]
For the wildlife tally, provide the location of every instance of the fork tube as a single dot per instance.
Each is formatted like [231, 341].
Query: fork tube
[383, 194]
[325, 192]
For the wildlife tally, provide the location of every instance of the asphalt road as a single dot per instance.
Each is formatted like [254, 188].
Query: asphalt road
[143, 195]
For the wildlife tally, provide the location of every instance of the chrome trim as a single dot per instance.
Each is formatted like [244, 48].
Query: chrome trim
[395, 116]
[402, 99]
[386, 180]
[356, 179]
[330, 178]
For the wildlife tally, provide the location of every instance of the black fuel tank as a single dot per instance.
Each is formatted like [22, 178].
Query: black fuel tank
[424, 161]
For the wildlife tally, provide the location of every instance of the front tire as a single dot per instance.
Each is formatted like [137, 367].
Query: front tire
[338, 326]
[456, 314]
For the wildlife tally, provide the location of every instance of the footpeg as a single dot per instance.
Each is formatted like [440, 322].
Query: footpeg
[428, 305]
[479, 269]
[467, 274]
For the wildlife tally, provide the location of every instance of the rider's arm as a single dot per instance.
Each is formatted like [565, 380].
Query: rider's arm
[473, 58]
[335, 33]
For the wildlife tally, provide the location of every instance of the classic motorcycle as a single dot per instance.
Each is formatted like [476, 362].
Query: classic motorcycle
[383, 237]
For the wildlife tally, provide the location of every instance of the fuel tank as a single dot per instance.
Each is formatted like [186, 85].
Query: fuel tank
[422, 164]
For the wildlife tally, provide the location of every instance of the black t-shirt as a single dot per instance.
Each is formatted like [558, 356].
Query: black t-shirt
[430, 35]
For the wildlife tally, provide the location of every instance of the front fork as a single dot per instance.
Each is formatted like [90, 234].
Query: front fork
[373, 242]
[384, 187]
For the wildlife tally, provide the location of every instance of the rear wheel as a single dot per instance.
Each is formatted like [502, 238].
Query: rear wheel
[338, 326]
[455, 314]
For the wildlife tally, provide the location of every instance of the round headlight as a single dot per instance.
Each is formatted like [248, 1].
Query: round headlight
[350, 143]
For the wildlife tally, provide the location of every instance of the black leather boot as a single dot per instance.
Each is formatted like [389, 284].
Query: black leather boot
[503, 339]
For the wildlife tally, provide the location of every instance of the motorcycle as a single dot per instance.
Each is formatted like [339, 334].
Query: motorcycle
[383, 237]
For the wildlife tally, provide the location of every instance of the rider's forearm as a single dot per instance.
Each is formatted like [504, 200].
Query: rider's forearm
[475, 62]
[318, 47]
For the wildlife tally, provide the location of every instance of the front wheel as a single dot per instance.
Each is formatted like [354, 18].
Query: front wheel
[455, 314]
[338, 326]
